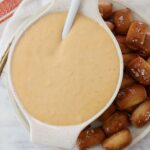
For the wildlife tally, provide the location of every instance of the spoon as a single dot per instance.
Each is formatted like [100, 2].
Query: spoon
[75, 4]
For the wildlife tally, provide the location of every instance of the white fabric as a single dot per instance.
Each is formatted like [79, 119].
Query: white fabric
[26, 9]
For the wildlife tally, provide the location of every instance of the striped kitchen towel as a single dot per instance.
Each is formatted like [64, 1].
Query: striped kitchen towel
[7, 8]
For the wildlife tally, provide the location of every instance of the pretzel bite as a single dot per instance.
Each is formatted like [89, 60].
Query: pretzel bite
[148, 90]
[141, 115]
[108, 112]
[87, 127]
[131, 96]
[139, 69]
[105, 9]
[131, 109]
[116, 122]
[118, 141]
[122, 43]
[136, 35]
[110, 25]
[144, 51]
[127, 81]
[128, 57]
[148, 60]
[122, 20]
[90, 137]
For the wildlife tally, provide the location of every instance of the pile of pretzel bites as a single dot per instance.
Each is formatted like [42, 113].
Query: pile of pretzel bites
[132, 104]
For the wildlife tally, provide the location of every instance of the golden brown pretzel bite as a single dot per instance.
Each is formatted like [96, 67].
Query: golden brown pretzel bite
[148, 60]
[128, 57]
[131, 96]
[110, 25]
[116, 122]
[127, 81]
[108, 112]
[131, 109]
[105, 9]
[141, 115]
[148, 90]
[122, 43]
[89, 138]
[122, 20]
[136, 35]
[118, 141]
[144, 51]
[139, 69]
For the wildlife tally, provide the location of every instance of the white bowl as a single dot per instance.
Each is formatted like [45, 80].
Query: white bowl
[138, 134]
[61, 136]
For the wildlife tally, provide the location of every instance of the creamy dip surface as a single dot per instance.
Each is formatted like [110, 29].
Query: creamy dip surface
[65, 82]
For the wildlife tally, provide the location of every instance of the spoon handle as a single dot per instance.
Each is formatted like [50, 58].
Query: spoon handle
[70, 17]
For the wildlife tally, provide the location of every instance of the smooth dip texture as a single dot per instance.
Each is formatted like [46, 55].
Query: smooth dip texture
[65, 82]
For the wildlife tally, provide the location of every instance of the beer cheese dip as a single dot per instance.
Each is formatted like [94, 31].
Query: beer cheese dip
[65, 82]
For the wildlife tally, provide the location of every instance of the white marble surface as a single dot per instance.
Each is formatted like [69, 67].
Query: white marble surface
[13, 136]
